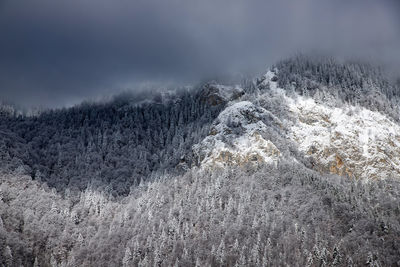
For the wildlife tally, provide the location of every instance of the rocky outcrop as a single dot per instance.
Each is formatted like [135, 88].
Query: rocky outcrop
[215, 94]
[237, 137]
[347, 141]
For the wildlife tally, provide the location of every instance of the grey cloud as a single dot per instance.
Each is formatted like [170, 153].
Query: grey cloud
[59, 52]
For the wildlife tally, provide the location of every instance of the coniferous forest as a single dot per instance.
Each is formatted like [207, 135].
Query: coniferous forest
[119, 183]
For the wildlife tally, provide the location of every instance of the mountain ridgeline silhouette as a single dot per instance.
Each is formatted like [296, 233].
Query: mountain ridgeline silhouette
[297, 167]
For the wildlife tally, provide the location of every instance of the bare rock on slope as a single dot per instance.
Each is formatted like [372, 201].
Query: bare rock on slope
[237, 137]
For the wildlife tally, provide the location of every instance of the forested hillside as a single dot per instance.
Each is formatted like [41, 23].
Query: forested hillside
[114, 144]
[327, 80]
[298, 167]
[283, 215]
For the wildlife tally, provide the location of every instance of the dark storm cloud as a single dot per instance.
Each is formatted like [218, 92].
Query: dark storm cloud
[60, 52]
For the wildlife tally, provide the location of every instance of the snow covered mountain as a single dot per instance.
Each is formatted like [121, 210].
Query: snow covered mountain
[348, 140]
[236, 137]
[300, 167]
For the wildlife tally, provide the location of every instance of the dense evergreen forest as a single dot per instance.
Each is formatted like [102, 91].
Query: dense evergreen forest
[113, 144]
[117, 183]
[330, 81]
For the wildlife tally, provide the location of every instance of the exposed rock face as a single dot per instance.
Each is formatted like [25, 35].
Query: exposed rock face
[347, 141]
[215, 94]
[236, 137]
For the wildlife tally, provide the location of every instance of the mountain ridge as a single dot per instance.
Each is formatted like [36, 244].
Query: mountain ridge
[270, 172]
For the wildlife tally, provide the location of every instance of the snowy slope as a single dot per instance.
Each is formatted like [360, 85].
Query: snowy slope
[348, 141]
[236, 137]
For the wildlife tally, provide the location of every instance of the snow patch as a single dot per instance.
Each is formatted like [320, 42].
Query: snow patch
[363, 142]
[236, 137]
[349, 140]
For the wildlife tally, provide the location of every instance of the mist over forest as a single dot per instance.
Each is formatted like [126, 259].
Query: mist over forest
[173, 133]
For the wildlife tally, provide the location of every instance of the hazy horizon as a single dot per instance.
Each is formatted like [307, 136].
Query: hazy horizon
[59, 54]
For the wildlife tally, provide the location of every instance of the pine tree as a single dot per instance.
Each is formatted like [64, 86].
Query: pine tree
[220, 254]
[126, 261]
[36, 262]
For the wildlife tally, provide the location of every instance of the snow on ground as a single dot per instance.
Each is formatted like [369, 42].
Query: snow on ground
[236, 137]
[350, 141]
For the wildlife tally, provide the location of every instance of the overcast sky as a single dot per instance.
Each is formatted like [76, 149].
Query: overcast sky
[56, 53]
